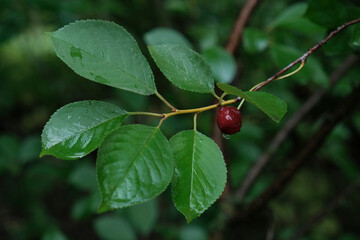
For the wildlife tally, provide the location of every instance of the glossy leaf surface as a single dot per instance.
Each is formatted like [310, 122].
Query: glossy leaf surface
[355, 37]
[134, 164]
[106, 53]
[273, 106]
[200, 173]
[183, 67]
[78, 128]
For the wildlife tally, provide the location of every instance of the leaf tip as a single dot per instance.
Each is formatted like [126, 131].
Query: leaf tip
[189, 219]
[103, 208]
[219, 84]
[42, 153]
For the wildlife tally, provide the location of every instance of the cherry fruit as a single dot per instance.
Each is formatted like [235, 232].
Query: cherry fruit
[229, 120]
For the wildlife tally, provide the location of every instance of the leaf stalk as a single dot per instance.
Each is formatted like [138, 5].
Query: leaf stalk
[166, 102]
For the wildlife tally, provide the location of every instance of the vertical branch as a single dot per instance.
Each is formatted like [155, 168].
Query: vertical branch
[235, 36]
[240, 23]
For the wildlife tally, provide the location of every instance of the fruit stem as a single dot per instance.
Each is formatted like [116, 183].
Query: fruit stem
[240, 104]
[195, 116]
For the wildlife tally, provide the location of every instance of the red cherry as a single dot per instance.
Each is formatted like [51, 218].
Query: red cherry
[229, 120]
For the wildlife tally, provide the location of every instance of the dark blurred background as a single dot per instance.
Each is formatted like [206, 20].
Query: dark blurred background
[51, 199]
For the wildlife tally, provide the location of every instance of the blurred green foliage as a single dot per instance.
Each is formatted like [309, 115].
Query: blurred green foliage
[52, 199]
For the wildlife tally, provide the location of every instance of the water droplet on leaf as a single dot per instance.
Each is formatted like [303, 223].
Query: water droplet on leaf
[101, 79]
[75, 53]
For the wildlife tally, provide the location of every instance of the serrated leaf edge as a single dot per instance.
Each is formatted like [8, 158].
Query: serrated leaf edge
[44, 150]
[152, 91]
[180, 70]
[188, 220]
[102, 208]
[272, 117]
[254, 102]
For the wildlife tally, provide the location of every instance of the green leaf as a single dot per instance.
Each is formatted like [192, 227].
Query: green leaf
[200, 173]
[273, 106]
[112, 227]
[221, 63]
[78, 128]
[355, 37]
[163, 35]
[183, 67]
[106, 53]
[254, 40]
[134, 164]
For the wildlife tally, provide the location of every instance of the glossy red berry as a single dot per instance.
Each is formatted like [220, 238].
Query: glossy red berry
[229, 120]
